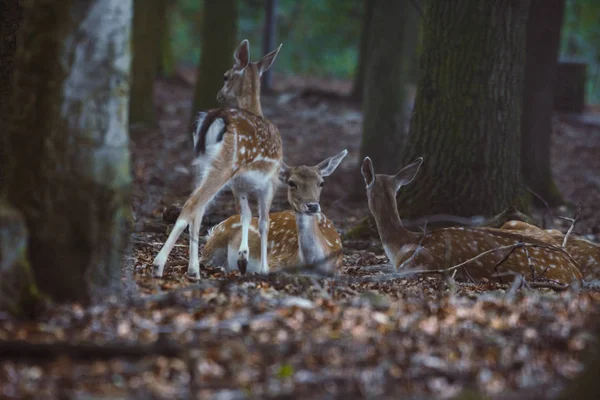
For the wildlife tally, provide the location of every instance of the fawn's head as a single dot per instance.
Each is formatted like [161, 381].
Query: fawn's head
[243, 79]
[382, 189]
[305, 183]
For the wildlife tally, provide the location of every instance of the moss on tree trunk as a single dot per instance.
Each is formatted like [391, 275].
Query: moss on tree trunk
[147, 36]
[466, 121]
[543, 39]
[219, 30]
[390, 45]
[68, 159]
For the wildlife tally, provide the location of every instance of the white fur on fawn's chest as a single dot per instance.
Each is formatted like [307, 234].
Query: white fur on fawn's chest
[309, 239]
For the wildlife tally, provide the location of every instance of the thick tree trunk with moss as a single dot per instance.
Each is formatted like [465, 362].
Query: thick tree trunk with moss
[219, 30]
[11, 15]
[466, 121]
[390, 44]
[543, 39]
[68, 158]
[146, 50]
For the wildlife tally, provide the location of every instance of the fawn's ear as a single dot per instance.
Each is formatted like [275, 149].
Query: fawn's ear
[284, 173]
[408, 173]
[265, 63]
[327, 166]
[242, 55]
[368, 172]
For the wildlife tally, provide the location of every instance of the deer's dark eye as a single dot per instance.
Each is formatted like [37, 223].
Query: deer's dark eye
[292, 184]
[322, 184]
[225, 78]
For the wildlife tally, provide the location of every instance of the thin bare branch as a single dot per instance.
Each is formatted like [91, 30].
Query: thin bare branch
[573, 222]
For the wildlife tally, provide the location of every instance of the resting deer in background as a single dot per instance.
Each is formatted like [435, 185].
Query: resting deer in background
[300, 235]
[447, 247]
[585, 252]
[234, 147]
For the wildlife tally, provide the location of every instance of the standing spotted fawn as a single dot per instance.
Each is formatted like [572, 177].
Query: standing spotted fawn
[444, 248]
[301, 235]
[234, 147]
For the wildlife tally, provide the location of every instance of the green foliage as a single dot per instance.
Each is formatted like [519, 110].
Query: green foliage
[320, 37]
[581, 40]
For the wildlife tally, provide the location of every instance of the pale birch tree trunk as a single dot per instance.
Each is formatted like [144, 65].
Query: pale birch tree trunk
[68, 168]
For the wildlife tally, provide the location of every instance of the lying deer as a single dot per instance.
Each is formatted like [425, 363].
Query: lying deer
[300, 235]
[586, 253]
[234, 147]
[447, 247]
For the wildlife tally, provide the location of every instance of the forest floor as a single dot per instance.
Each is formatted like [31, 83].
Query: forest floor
[299, 336]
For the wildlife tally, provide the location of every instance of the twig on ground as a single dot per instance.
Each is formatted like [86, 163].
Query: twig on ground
[573, 222]
[547, 207]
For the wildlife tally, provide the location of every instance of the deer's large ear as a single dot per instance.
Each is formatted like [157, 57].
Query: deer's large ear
[284, 173]
[242, 55]
[408, 173]
[368, 172]
[327, 166]
[265, 63]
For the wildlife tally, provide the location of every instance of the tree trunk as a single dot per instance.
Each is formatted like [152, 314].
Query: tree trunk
[11, 15]
[148, 26]
[390, 43]
[68, 164]
[543, 38]
[166, 62]
[218, 44]
[359, 77]
[466, 121]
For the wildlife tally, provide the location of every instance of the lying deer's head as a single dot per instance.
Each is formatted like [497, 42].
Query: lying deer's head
[243, 79]
[305, 183]
[382, 189]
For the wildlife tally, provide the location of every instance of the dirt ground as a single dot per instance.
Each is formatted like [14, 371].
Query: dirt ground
[299, 336]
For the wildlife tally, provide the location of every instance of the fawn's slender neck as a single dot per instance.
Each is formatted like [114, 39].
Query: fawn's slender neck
[392, 233]
[251, 101]
[310, 239]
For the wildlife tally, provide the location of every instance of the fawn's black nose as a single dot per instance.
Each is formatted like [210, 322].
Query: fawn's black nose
[313, 207]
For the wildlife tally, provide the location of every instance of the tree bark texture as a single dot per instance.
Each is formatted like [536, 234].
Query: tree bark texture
[390, 45]
[68, 169]
[543, 39]
[11, 15]
[466, 120]
[148, 32]
[359, 77]
[219, 32]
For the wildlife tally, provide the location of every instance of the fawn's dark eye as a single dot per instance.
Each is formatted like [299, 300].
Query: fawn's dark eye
[225, 78]
[292, 184]
[321, 184]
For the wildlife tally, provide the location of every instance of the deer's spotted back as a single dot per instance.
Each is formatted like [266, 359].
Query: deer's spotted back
[445, 248]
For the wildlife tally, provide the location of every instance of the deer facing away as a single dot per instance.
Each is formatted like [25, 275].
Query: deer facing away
[234, 147]
[300, 235]
[447, 247]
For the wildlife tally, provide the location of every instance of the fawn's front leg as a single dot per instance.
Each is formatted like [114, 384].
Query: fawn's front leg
[264, 206]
